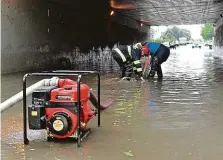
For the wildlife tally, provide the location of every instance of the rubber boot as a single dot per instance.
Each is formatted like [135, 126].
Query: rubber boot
[151, 74]
[159, 72]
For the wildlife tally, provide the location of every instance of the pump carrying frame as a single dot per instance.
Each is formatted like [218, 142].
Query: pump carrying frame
[77, 74]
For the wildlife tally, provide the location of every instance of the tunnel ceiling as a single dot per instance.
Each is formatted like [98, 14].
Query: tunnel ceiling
[170, 12]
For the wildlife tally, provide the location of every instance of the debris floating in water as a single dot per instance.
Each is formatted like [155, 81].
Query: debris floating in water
[129, 153]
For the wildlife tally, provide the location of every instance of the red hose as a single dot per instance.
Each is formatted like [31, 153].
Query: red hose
[94, 102]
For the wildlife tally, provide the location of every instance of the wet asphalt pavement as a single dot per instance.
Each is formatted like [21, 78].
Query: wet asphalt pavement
[178, 118]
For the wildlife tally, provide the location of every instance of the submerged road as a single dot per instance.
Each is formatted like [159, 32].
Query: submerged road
[179, 118]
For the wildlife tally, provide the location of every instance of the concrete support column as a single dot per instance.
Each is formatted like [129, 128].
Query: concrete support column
[218, 39]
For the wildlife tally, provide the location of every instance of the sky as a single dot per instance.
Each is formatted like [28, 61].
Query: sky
[195, 30]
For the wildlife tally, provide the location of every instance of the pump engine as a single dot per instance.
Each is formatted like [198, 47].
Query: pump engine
[55, 108]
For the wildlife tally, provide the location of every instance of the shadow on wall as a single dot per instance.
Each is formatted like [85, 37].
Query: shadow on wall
[95, 45]
[116, 33]
[87, 26]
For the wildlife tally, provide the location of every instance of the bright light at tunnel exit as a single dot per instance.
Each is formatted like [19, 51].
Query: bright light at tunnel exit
[112, 12]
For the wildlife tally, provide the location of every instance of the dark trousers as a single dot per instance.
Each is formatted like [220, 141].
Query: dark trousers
[126, 67]
[155, 67]
[157, 59]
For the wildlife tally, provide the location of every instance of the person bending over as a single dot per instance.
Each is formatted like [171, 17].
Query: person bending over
[128, 58]
[159, 54]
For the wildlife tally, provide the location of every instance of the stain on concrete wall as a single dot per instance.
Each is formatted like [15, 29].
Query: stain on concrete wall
[96, 59]
[37, 32]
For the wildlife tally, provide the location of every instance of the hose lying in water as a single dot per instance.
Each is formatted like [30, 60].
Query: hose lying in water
[19, 96]
[94, 102]
[45, 82]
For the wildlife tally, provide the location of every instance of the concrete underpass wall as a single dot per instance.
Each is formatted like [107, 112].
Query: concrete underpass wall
[25, 39]
[218, 39]
[35, 33]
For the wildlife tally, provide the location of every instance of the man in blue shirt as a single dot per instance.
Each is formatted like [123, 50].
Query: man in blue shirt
[159, 54]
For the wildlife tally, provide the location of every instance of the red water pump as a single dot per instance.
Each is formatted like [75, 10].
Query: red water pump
[62, 109]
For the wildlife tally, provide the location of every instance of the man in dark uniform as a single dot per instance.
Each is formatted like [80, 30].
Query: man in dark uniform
[159, 54]
[128, 59]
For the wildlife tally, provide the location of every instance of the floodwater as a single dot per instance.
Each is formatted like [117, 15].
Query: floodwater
[178, 118]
